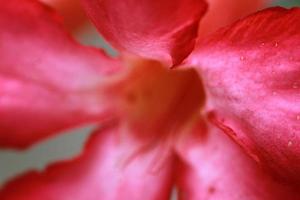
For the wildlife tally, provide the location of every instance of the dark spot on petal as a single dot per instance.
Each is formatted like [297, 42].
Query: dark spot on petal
[131, 97]
[211, 190]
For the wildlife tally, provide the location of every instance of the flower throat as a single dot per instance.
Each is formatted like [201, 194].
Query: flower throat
[159, 99]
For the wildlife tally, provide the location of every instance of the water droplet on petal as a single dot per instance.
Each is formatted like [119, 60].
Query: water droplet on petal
[242, 58]
[276, 44]
[295, 85]
[290, 143]
[278, 136]
[298, 117]
[262, 44]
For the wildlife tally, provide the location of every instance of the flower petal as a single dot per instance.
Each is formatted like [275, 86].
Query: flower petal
[71, 10]
[99, 173]
[47, 81]
[251, 70]
[156, 29]
[224, 12]
[214, 167]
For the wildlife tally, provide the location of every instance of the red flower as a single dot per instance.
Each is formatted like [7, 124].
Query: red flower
[160, 128]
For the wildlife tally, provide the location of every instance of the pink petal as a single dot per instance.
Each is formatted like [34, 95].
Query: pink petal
[101, 172]
[157, 29]
[223, 12]
[251, 70]
[47, 81]
[213, 167]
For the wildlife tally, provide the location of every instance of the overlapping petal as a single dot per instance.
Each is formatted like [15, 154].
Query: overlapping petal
[101, 172]
[158, 29]
[224, 12]
[47, 81]
[71, 10]
[213, 167]
[252, 74]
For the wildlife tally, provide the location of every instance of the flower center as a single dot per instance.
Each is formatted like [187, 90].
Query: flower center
[155, 99]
